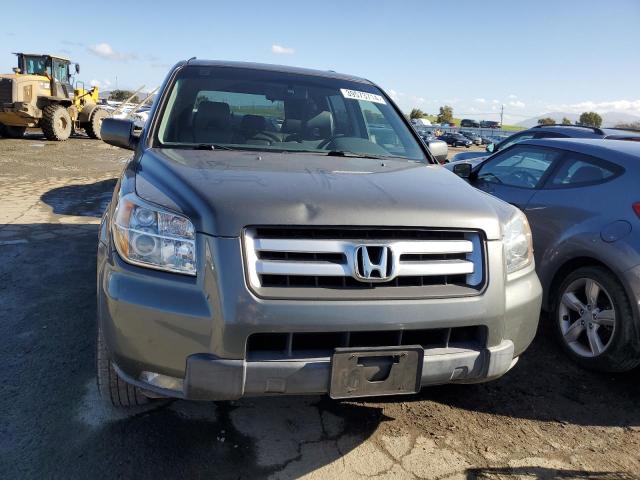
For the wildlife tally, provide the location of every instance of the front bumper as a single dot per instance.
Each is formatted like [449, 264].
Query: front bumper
[195, 330]
[211, 378]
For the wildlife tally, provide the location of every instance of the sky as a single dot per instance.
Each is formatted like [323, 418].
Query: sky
[533, 56]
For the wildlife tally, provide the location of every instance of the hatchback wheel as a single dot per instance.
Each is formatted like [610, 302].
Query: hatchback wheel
[594, 321]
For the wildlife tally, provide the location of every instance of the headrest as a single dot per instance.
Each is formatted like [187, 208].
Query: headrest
[217, 113]
[320, 126]
[586, 174]
[253, 123]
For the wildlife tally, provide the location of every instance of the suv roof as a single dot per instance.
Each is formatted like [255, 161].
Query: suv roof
[585, 131]
[278, 68]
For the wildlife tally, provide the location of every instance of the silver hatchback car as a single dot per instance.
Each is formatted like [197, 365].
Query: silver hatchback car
[582, 199]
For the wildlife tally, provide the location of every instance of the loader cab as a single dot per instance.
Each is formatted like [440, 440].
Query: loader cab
[56, 69]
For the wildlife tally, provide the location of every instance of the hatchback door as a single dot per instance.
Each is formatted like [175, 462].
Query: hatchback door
[514, 174]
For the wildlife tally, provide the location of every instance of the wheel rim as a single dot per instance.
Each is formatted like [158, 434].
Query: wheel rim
[62, 122]
[587, 317]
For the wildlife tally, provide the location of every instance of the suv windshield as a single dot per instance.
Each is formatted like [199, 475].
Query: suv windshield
[243, 108]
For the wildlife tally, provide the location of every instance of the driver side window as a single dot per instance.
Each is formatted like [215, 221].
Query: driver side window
[522, 166]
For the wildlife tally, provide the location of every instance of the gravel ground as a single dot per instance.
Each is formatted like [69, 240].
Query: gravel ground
[544, 419]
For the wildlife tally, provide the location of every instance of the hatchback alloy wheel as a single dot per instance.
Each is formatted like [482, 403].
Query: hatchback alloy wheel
[587, 317]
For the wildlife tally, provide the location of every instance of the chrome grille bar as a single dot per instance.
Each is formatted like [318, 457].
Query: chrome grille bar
[442, 262]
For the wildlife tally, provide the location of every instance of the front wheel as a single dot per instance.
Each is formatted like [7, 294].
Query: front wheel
[56, 123]
[112, 388]
[594, 321]
[94, 124]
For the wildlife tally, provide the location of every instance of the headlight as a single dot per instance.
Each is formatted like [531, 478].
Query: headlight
[147, 236]
[516, 238]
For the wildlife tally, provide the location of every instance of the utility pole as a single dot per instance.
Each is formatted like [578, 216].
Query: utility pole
[501, 114]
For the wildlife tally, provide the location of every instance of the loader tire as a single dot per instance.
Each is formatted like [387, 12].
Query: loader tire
[92, 127]
[56, 123]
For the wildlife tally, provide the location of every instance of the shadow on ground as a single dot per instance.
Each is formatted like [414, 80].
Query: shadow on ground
[541, 473]
[88, 200]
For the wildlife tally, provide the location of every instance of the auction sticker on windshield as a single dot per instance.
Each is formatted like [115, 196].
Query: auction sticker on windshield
[358, 95]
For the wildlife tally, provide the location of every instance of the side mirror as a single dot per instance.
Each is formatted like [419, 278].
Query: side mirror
[77, 68]
[119, 132]
[491, 147]
[463, 170]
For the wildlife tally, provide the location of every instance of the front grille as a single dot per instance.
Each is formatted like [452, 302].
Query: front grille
[274, 346]
[326, 263]
[6, 90]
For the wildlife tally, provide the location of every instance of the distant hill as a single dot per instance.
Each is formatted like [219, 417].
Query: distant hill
[609, 119]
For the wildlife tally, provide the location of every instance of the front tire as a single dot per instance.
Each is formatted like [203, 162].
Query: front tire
[56, 123]
[93, 126]
[594, 322]
[112, 388]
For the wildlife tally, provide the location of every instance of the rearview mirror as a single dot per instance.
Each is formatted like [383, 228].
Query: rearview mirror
[463, 170]
[77, 68]
[491, 147]
[119, 132]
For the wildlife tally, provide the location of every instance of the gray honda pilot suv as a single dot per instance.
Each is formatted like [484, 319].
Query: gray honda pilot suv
[285, 231]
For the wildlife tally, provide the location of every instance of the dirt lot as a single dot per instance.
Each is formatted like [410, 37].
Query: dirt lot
[544, 419]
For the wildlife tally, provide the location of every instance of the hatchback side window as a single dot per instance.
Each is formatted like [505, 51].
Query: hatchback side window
[521, 166]
[578, 169]
[515, 139]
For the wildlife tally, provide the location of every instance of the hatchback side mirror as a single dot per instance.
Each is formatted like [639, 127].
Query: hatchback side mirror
[491, 147]
[463, 170]
[119, 132]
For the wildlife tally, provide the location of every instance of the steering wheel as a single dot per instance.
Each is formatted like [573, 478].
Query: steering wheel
[525, 177]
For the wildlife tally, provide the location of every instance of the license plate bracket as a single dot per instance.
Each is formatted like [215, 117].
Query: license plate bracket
[376, 371]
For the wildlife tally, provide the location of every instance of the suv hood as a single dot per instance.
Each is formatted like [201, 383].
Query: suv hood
[224, 191]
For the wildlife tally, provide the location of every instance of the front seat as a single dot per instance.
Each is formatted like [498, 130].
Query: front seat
[586, 174]
[212, 123]
[253, 131]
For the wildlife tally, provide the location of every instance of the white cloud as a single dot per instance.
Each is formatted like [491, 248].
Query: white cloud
[106, 51]
[512, 96]
[517, 104]
[480, 100]
[625, 106]
[280, 50]
[100, 83]
[495, 101]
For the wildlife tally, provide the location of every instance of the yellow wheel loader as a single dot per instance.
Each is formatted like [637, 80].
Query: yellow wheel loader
[40, 94]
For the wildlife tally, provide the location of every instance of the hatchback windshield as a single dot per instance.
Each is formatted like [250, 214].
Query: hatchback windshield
[234, 108]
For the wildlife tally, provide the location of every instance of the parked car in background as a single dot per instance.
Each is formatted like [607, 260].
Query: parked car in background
[455, 140]
[438, 148]
[465, 122]
[474, 137]
[552, 131]
[332, 256]
[582, 200]
[420, 122]
[489, 124]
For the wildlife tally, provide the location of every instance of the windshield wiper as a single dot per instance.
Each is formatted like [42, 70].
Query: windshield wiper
[209, 146]
[349, 153]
